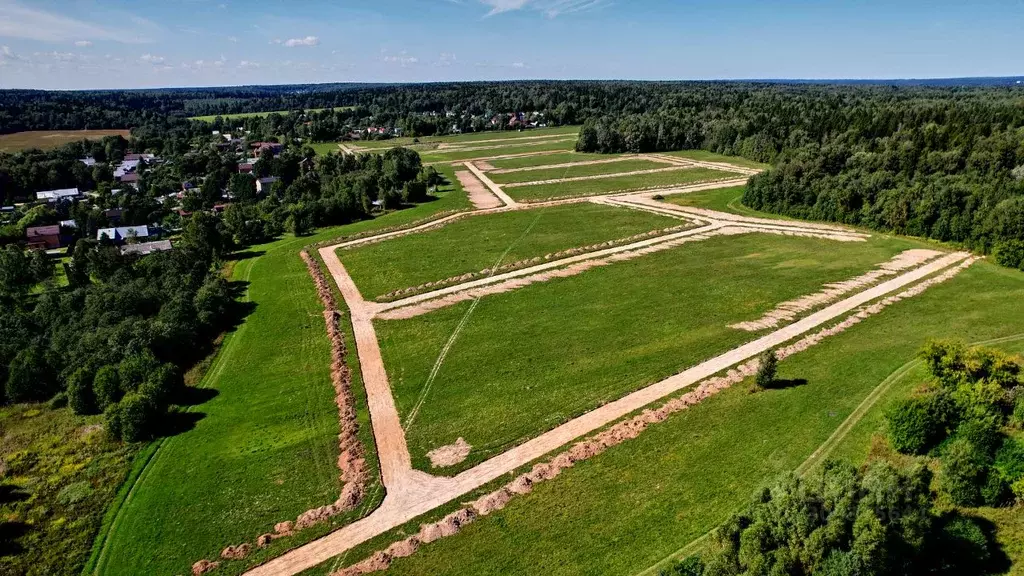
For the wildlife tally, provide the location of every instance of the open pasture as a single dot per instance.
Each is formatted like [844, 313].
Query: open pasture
[681, 177]
[48, 139]
[557, 349]
[578, 171]
[550, 159]
[481, 242]
[244, 115]
[475, 138]
[654, 495]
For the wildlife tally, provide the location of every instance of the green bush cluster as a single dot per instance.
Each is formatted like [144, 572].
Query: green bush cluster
[960, 418]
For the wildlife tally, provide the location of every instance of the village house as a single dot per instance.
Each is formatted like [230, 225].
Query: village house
[65, 194]
[121, 234]
[263, 184]
[145, 248]
[44, 237]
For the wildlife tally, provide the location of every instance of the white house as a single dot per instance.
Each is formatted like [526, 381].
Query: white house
[58, 195]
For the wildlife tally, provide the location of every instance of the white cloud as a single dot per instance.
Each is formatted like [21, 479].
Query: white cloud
[33, 24]
[232, 39]
[518, 65]
[248, 64]
[445, 59]
[402, 58]
[83, 43]
[550, 8]
[307, 41]
[151, 59]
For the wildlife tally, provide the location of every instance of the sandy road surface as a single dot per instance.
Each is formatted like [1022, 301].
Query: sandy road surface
[490, 184]
[418, 493]
[479, 195]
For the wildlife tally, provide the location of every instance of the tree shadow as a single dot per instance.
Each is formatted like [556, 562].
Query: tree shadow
[782, 384]
[10, 532]
[958, 552]
[10, 494]
[244, 255]
[179, 422]
[193, 396]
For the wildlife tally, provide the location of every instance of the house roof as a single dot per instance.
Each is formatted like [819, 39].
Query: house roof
[57, 194]
[37, 231]
[147, 247]
[122, 232]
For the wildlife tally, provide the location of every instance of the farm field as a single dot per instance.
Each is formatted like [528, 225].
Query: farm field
[481, 242]
[264, 447]
[615, 184]
[243, 115]
[510, 147]
[705, 156]
[549, 159]
[476, 137]
[47, 139]
[630, 165]
[578, 342]
[655, 494]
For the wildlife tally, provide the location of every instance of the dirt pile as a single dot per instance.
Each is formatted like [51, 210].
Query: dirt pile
[204, 566]
[236, 552]
[449, 455]
[789, 310]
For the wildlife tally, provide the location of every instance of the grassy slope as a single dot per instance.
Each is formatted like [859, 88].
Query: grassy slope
[629, 508]
[577, 171]
[608, 185]
[557, 349]
[266, 448]
[705, 156]
[476, 243]
[548, 159]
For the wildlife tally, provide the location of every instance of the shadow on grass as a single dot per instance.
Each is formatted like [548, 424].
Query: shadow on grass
[179, 422]
[787, 383]
[244, 255]
[193, 396]
[10, 494]
[10, 532]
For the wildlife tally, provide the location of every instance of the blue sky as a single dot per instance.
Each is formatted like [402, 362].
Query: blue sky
[65, 44]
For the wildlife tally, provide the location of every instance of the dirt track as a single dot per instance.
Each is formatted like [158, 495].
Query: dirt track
[479, 195]
[416, 493]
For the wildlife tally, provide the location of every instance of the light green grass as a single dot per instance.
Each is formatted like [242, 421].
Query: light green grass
[705, 156]
[628, 509]
[578, 171]
[480, 242]
[465, 139]
[503, 150]
[266, 447]
[243, 115]
[618, 184]
[49, 139]
[549, 159]
[555, 350]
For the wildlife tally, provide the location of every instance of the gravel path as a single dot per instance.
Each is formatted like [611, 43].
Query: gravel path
[479, 195]
[493, 187]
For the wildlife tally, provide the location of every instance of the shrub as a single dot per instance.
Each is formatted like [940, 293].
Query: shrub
[997, 490]
[983, 433]
[79, 391]
[1017, 419]
[767, 370]
[106, 387]
[112, 419]
[138, 414]
[1018, 490]
[915, 425]
[1009, 460]
[135, 369]
[161, 384]
[692, 566]
[964, 470]
[28, 377]
[841, 564]
[1010, 253]
[964, 546]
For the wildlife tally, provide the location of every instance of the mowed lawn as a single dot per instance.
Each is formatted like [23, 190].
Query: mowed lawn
[476, 243]
[266, 446]
[626, 165]
[48, 139]
[495, 149]
[705, 156]
[628, 509]
[474, 137]
[528, 360]
[549, 159]
[679, 177]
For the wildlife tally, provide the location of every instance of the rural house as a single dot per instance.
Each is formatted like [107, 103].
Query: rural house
[121, 234]
[44, 237]
[61, 195]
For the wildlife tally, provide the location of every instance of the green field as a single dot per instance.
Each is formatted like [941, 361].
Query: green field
[473, 244]
[265, 448]
[549, 159]
[629, 165]
[631, 507]
[466, 139]
[243, 115]
[457, 154]
[618, 184]
[705, 156]
[555, 350]
[48, 139]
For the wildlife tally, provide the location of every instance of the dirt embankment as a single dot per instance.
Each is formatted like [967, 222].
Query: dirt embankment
[619, 433]
[352, 457]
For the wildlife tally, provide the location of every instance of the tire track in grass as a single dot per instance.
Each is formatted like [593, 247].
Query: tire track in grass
[458, 329]
[828, 445]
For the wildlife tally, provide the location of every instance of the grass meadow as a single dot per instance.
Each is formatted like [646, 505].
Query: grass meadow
[264, 448]
[705, 156]
[511, 147]
[626, 165]
[680, 177]
[244, 115]
[470, 138]
[479, 242]
[558, 349]
[629, 509]
[549, 159]
[48, 139]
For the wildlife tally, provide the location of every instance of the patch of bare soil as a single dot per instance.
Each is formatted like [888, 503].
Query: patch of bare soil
[478, 194]
[623, 431]
[485, 166]
[449, 455]
[791, 309]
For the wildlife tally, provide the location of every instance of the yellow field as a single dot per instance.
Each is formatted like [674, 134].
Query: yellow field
[47, 139]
